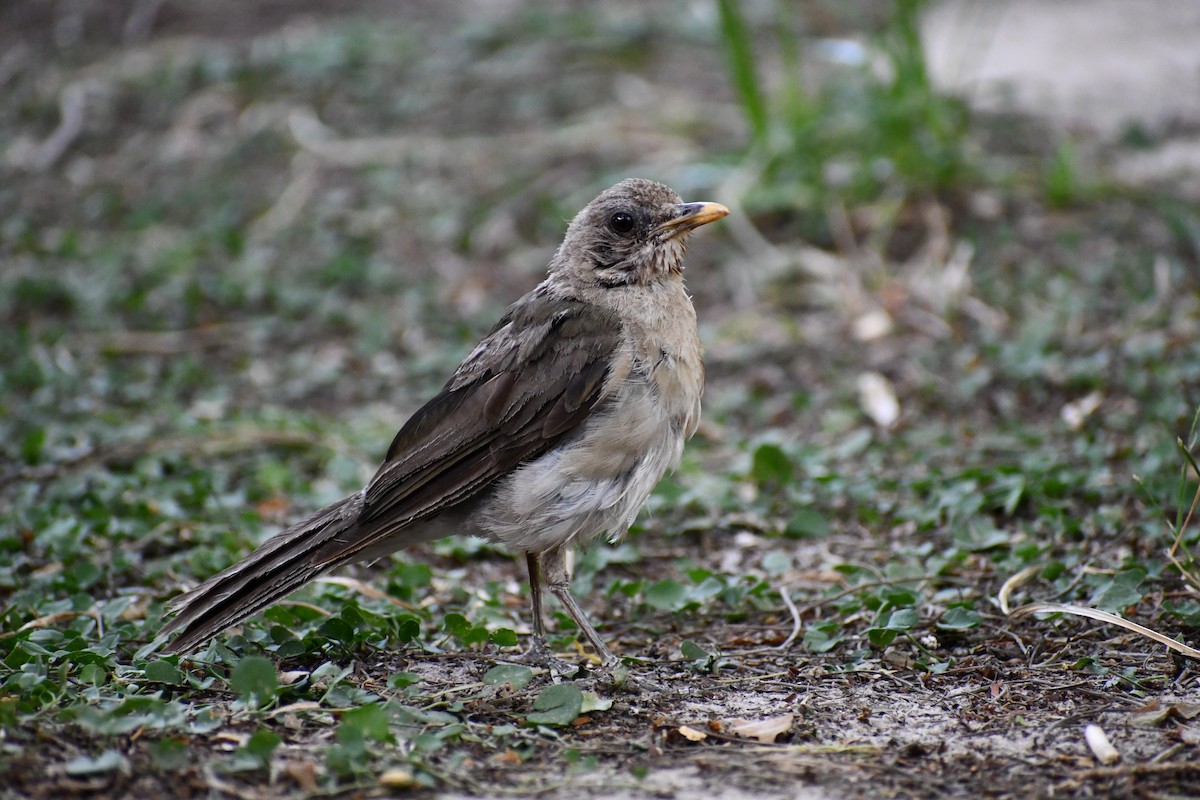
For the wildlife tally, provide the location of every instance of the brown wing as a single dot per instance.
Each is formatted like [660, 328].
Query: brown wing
[532, 381]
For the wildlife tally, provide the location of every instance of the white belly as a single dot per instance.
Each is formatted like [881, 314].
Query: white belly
[592, 486]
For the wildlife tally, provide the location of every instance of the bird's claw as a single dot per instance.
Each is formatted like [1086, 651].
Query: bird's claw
[539, 654]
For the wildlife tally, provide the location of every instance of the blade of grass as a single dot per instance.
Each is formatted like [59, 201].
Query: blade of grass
[739, 53]
[1185, 565]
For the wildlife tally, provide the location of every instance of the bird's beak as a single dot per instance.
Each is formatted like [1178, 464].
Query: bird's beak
[693, 215]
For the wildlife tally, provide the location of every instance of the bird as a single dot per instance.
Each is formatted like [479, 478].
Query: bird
[553, 430]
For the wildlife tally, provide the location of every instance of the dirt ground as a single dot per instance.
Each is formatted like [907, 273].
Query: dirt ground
[483, 131]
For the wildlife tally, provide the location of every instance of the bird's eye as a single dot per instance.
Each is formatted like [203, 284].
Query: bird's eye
[621, 222]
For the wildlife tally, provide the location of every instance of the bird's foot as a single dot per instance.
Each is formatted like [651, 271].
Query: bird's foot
[614, 675]
[610, 674]
[617, 677]
[539, 654]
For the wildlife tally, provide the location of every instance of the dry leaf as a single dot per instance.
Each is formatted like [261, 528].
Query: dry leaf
[273, 507]
[508, 758]
[1186, 710]
[877, 399]
[304, 773]
[1153, 714]
[1076, 412]
[594, 702]
[765, 730]
[691, 734]
[874, 324]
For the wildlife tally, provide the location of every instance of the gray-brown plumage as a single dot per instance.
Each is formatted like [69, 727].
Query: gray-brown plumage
[552, 431]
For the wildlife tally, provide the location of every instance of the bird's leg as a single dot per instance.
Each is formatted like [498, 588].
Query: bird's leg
[558, 579]
[540, 651]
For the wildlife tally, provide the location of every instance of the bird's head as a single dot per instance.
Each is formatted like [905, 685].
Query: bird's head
[631, 234]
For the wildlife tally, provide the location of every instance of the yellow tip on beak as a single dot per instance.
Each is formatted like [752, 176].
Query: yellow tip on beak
[693, 215]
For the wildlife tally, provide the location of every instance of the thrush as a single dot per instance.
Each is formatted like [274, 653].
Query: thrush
[551, 432]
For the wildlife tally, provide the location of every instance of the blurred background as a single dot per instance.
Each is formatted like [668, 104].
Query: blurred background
[213, 208]
[952, 325]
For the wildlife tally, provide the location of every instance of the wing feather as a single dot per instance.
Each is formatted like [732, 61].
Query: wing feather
[535, 379]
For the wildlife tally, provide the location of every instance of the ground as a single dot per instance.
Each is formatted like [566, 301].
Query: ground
[952, 369]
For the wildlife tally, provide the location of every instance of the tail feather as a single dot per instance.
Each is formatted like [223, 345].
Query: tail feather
[283, 564]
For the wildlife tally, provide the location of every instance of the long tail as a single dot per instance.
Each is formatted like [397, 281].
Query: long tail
[283, 563]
